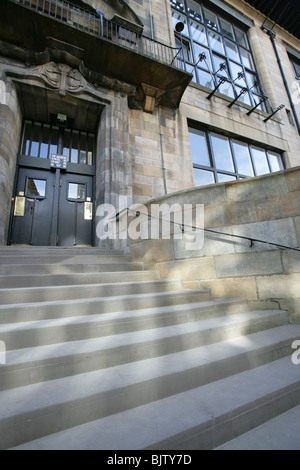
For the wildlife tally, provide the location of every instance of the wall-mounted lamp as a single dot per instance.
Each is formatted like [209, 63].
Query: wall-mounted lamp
[238, 97]
[221, 81]
[281, 106]
[61, 120]
[222, 67]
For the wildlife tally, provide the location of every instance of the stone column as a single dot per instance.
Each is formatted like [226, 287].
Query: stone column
[10, 129]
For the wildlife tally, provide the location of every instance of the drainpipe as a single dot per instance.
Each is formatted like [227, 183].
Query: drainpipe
[151, 20]
[162, 152]
[272, 36]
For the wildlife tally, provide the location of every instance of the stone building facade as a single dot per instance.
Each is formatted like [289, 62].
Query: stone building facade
[108, 98]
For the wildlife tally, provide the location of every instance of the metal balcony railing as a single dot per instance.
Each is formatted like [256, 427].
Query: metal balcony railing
[97, 25]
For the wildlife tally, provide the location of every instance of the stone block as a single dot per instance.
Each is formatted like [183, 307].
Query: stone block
[191, 284]
[297, 225]
[291, 262]
[233, 213]
[212, 195]
[293, 307]
[279, 287]
[188, 270]
[235, 287]
[152, 251]
[293, 179]
[210, 244]
[279, 207]
[248, 264]
[260, 187]
[281, 231]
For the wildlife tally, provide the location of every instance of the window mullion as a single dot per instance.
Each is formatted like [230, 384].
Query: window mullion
[252, 160]
[233, 157]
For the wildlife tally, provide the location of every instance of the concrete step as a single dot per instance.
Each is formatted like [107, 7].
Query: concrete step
[38, 364]
[41, 280]
[25, 312]
[56, 250]
[86, 291]
[197, 398]
[279, 433]
[42, 332]
[34, 269]
[63, 258]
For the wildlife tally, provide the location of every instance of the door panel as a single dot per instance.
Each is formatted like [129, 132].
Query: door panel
[48, 204]
[73, 228]
[33, 228]
[51, 199]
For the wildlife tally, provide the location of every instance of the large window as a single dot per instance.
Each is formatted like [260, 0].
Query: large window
[217, 158]
[296, 68]
[44, 140]
[214, 49]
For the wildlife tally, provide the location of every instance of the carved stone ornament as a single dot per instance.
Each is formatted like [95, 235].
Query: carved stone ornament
[62, 78]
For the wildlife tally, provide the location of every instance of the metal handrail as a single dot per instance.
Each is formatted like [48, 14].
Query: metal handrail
[97, 25]
[182, 226]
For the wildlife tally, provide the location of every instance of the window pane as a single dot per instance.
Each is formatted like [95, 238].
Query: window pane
[35, 187]
[83, 148]
[199, 148]
[35, 144]
[242, 158]
[177, 5]
[216, 42]
[205, 63]
[67, 143]
[257, 99]
[45, 141]
[76, 191]
[218, 62]
[194, 10]
[74, 149]
[297, 69]
[260, 161]
[198, 33]
[211, 19]
[54, 142]
[222, 152]
[252, 82]
[241, 37]
[247, 59]
[232, 50]
[226, 28]
[244, 98]
[26, 138]
[203, 177]
[90, 149]
[191, 69]
[275, 161]
[223, 178]
[178, 18]
[235, 71]
[205, 79]
[226, 89]
[185, 52]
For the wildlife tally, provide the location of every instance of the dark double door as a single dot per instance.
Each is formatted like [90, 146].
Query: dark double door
[52, 208]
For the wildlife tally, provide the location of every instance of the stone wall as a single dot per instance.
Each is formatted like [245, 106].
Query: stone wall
[266, 208]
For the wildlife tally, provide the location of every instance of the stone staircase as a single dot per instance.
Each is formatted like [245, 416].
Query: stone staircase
[102, 354]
